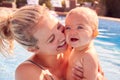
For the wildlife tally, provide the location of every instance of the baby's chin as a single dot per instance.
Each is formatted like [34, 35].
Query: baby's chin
[74, 45]
[77, 45]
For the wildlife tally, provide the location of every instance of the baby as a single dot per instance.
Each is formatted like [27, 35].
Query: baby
[81, 29]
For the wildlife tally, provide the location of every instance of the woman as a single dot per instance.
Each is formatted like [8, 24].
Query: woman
[39, 32]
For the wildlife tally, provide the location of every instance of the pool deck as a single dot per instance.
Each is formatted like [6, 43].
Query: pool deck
[65, 13]
[62, 13]
[101, 17]
[109, 18]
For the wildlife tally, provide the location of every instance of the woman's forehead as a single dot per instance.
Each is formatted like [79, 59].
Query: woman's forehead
[47, 26]
[48, 21]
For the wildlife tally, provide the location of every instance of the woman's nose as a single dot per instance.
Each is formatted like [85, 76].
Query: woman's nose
[61, 28]
[61, 35]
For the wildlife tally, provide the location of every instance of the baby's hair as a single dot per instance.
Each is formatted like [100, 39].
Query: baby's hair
[19, 26]
[90, 14]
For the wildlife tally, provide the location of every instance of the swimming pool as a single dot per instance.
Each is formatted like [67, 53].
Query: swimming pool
[107, 45]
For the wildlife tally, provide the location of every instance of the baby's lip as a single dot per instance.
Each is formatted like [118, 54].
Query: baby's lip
[74, 39]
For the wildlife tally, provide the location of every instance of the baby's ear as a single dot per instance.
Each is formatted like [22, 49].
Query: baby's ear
[95, 33]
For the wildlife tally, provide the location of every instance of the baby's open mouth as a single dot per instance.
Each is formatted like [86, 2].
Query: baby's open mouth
[74, 39]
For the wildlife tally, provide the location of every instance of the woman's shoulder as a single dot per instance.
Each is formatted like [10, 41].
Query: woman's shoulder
[27, 71]
[28, 66]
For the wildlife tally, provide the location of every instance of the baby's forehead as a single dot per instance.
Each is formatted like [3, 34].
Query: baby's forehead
[85, 13]
[80, 14]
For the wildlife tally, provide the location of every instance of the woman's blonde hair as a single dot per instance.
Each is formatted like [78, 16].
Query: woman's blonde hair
[18, 25]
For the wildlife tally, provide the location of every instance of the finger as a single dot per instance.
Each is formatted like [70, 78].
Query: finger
[77, 72]
[77, 78]
[78, 68]
[76, 75]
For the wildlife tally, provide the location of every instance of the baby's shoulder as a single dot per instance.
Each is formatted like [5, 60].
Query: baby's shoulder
[89, 55]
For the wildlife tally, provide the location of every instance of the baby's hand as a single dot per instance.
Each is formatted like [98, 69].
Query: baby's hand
[101, 77]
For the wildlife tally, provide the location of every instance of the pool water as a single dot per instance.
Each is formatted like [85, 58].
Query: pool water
[108, 48]
[107, 45]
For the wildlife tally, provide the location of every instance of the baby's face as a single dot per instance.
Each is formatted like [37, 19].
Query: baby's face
[78, 30]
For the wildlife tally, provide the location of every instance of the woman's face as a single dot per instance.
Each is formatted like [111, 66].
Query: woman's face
[50, 36]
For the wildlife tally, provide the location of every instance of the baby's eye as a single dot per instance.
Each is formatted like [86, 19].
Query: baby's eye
[79, 27]
[51, 39]
[67, 28]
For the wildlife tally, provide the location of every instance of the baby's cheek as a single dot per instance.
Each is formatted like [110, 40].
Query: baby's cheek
[89, 33]
[67, 39]
[66, 33]
[85, 38]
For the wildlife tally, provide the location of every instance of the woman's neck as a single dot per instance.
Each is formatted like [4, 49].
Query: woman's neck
[47, 61]
[50, 62]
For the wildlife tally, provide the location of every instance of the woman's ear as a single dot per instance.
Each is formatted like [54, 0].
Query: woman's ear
[95, 33]
[33, 49]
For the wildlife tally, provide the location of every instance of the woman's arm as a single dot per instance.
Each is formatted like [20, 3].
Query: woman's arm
[77, 72]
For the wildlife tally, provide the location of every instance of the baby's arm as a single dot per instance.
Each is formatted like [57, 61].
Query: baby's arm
[90, 67]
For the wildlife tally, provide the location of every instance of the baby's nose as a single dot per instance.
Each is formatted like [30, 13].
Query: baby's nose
[73, 33]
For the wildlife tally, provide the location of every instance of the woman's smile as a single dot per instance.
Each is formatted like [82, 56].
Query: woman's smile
[62, 46]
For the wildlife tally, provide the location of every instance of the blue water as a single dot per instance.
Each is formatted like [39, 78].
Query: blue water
[107, 45]
[108, 48]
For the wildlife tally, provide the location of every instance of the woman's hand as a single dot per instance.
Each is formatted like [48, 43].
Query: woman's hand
[77, 72]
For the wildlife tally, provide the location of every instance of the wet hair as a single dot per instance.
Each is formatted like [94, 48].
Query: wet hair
[19, 26]
[88, 13]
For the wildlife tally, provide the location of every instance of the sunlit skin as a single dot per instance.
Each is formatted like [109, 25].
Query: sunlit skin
[50, 36]
[40, 33]
[51, 42]
[80, 33]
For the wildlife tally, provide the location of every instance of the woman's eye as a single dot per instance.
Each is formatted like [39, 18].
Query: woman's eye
[79, 27]
[67, 28]
[60, 27]
[51, 39]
